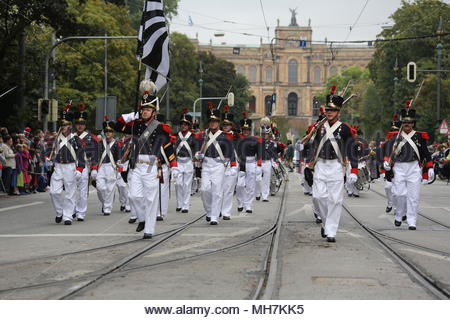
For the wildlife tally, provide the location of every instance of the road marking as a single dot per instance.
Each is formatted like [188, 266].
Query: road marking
[21, 206]
[428, 254]
[354, 235]
[201, 243]
[67, 235]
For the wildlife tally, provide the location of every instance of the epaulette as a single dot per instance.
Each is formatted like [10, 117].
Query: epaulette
[424, 135]
[259, 139]
[391, 134]
[311, 126]
[199, 135]
[120, 143]
[352, 130]
[166, 128]
[173, 139]
[230, 136]
[94, 137]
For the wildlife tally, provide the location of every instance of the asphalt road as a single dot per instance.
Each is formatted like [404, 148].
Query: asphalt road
[44, 260]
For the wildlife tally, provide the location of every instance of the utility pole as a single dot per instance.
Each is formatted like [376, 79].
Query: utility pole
[21, 91]
[438, 78]
[200, 83]
[106, 73]
[396, 102]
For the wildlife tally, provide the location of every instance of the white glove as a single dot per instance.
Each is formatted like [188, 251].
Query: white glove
[382, 175]
[49, 163]
[430, 174]
[386, 166]
[77, 175]
[199, 156]
[424, 181]
[128, 117]
[94, 174]
[175, 173]
[352, 178]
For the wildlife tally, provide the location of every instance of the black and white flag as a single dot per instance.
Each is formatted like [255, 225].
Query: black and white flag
[153, 42]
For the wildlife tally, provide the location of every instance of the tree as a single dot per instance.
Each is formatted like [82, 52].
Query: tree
[418, 18]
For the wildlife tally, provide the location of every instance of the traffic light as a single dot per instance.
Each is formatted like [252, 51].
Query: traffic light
[411, 70]
[45, 106]
[230, 99]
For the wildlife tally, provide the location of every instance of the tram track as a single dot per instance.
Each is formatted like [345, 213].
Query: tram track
[413, 269]
[419, 214]
[119, 268]
[94, 276]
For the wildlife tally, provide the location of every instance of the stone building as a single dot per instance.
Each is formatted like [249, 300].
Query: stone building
[292, 68]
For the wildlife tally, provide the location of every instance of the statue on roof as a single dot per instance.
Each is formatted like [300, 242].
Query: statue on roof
[293, 18]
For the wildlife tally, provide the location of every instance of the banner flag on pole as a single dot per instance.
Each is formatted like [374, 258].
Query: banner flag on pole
[153, 43]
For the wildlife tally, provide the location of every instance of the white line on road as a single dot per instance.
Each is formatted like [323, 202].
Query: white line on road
[21, 206]
[67, 235]
[201, 243]
[428, 254]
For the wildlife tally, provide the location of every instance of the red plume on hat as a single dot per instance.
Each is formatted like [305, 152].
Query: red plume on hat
[106, 118]
[185, 110]
[333, 89]
[322, 110]
[244, 114]
[81, 106]
[67, 107]
[408, 104]
[210, 105]
[395, 117]
[225, 108]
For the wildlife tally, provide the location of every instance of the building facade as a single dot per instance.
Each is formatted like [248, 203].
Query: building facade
[291, 67]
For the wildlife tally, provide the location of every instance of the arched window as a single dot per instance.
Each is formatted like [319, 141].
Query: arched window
[252, 74]
[269, 74]
[292, 71]
[333, 70]
[292, 104]
[241, 69]
[317, 75]
[252, 104]
[268, 105]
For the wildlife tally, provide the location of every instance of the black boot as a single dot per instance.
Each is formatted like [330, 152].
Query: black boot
[140, 226]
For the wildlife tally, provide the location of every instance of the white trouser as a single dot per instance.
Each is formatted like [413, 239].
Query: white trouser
[263, 186]
[63, 177]
[143, 182]
[351, 189]
[306, 187]
[212, 186]
[164, 189]
[328, 195]
[183, 184]
[229, 183]
[406, 189]
[124, 197]
[245, 194]
[106, 182]
[82, 194]
[389, 195]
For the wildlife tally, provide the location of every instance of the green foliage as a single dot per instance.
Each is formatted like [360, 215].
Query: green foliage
[417, 18]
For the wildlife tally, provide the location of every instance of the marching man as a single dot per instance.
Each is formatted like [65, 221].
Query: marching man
[67, 156]
[230, 178]
[122, 185]
[90, 146]
[148, 137]
[249, 153]
[186, 147]
[333, 141]
[405, 152]
[216, 154]
[269, 154]
[106, 179]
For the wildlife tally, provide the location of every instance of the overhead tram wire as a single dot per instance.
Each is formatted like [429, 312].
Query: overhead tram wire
[265, 21]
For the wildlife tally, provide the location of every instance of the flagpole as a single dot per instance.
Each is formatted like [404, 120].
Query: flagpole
[138, 81]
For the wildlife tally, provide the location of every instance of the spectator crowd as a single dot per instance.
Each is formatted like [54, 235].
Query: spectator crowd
[23, 167]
